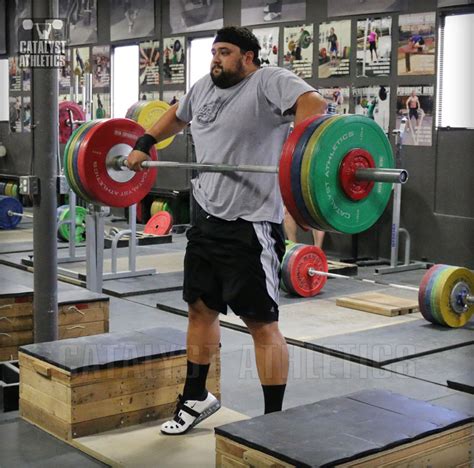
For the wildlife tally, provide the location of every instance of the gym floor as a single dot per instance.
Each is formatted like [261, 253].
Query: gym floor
[333, 350]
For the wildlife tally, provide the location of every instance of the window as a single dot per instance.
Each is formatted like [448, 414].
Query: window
[125, 79]
[456, 71]
[199, 59]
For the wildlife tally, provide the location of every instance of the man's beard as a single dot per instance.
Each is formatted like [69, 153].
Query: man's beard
[227, 79]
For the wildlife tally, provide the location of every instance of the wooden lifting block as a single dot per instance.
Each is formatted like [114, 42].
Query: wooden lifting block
[77, 387]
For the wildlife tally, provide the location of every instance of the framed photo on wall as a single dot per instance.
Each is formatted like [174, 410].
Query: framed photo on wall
[131, 19]
[81, 20]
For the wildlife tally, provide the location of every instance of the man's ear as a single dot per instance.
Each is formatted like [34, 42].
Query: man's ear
[249, 55]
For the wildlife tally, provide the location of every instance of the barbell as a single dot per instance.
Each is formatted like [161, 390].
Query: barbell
[335, 173]
[445, 295]
[11, 212]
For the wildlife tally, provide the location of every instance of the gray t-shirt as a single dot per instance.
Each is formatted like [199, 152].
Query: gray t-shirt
[245, 124]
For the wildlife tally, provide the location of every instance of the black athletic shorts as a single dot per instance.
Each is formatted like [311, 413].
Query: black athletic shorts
[413, 113]
[235, 264]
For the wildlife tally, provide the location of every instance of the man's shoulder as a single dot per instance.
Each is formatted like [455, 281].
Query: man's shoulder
[266, 73]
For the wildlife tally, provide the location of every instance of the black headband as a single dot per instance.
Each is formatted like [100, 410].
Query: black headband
[235, 38]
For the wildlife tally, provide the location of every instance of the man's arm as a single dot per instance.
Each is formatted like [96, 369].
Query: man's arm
[167, 126]
[308, 104]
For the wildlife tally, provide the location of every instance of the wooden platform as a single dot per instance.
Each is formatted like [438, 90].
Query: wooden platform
[144, 446]
[369, 429]
[80, 313]
[341, 268]
[378, 303]
[88, 385]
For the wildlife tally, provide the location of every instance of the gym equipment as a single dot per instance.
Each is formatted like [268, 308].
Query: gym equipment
[147, 113]
[445, 295]
[70, 115]
[160, 205]
[322, 155]
[63, 213]
[396, 230]
[159, 224]
[89, 157]
[11, 212]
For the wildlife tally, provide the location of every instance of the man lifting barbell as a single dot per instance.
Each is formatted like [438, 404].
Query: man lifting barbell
[240, 114]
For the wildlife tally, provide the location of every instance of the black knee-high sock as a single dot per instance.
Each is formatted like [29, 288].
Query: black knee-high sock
[195, 386]
[273, 395]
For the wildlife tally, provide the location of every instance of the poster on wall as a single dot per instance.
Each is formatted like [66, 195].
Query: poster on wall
[3, 27]
[272, 11]
[149, 96]
[334, 48]
[131, 19]
[64, 80]
[15, 114]
[298, 50]
[100, 67]
[337, 99]
[374, 46]
[14, 75]
[22, 10]
[26, 114]
[149, 63]
[196, 15]
[101, 106]
[173, 60]
[417, 44]
[415, 107]
[362, 7]
[373, 102]
[80, 63]
[172, 96]
[446, 3]
[26, 79]
[268, 40]
[81, 20]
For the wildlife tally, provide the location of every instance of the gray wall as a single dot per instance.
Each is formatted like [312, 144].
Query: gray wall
[437, 204]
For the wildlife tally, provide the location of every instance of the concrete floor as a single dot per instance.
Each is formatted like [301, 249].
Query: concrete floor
[313, 375]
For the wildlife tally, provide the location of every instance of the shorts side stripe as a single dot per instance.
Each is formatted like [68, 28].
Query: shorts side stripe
[268, 258]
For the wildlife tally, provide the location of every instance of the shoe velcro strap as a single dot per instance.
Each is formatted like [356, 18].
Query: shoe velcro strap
[190, 411]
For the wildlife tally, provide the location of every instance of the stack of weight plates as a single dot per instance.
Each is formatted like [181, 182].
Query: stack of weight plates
[9, 204]
[296, 278]
[89, 158]
[147, 113]
[317, 173]
[65, 128]
[160, 204]
[63, 213]
[9, 188]
[440, 295]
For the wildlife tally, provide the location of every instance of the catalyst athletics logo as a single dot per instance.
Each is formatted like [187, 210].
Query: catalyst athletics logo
[42, 43]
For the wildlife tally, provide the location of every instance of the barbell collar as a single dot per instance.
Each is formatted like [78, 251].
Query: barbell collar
[469, 300]
[313, 272]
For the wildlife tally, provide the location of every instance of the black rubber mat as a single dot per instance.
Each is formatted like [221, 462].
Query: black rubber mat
[342, 429]
[109, 349]
[160, 282]
[385, 345]
[464, 383]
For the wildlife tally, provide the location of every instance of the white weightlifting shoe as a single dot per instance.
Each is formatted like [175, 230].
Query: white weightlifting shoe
[189, 413]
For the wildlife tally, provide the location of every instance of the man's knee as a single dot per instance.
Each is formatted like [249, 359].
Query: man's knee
[263, 331]
[200, 314]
